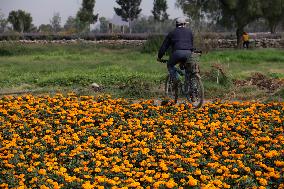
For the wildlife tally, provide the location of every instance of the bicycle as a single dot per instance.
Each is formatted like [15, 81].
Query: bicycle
[189, 85]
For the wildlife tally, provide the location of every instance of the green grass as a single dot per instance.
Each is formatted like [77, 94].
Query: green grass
[241, 63]
[123, 72]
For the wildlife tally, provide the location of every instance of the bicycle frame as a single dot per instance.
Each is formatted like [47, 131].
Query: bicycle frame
[192, 69]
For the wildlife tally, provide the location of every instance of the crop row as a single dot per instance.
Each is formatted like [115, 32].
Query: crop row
[87, 142]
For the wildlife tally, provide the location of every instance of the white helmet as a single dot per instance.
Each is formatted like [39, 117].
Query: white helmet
[181, 21]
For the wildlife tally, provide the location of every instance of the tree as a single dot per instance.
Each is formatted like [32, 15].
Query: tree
[86, 16]
[240, 13]
[55, 22]
[21, 21]
[71, 24]
[160, 10]
[231, 13]
[3, 22]
[200, 10]
[273, 12]
[147, 24]
[282, 23]
[128, 11]
[45, 28]
[103, 25]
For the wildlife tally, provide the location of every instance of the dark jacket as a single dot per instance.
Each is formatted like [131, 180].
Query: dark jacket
[179, 39]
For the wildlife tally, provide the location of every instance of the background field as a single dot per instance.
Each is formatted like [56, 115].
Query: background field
[127, 72]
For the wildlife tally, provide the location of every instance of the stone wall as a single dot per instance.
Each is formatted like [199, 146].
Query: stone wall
[206, 43]
[254, 43]
[78, 41]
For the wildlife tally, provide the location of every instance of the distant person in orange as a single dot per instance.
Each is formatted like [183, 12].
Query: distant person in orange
[245, 40]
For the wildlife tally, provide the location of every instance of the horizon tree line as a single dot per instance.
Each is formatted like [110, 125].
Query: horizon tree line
[236, 14]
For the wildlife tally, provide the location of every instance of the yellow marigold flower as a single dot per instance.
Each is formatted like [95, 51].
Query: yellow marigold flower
[261, 148]
[76, 170]
[149, 179]
[235, 170]
[219, 171]
[87, 176]
[75, 137]
[22, 156]
[87, 185]
[203, 178]
[198, 133]
[97, 170]
[116, 169]
[63, 169]
[218, 183]
[197, 172]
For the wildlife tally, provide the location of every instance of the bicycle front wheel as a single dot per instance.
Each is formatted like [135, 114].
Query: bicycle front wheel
[195, 91]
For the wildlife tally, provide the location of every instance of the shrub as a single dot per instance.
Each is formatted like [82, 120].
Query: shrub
[153, 43]
[10, 36]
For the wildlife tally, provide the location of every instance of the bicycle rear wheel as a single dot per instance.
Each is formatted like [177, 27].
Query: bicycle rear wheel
[195, 91]
[171, 91]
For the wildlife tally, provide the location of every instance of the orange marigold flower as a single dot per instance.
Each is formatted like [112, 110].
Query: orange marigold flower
[257, 173]
[263, 181]
[171, 184]
[42, 172]
[165, 175]
[192, 181]
[271, 154]
[279, 163]
[225, 153]
[247, 169]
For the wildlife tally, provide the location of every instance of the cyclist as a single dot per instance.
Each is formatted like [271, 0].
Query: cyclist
[181, 42]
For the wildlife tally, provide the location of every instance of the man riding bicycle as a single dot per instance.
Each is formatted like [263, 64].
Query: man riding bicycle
[181, 41]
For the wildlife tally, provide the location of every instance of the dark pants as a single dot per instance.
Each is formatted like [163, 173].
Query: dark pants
[176, 57]
[246, 44]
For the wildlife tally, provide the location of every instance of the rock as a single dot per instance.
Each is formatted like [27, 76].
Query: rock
[96, 87]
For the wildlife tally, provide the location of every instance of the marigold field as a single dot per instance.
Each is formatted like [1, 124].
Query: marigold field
[88, 142]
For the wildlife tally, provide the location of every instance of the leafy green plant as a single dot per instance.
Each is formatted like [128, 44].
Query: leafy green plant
[153, 44]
